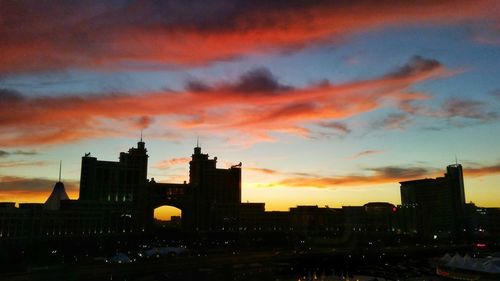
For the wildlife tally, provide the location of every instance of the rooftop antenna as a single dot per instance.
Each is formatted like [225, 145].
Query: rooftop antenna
[141, 135]
[60, 164]
[198, 141]
[456, 160]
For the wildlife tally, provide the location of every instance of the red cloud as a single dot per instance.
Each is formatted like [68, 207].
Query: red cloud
[255, 106]
[61, 34]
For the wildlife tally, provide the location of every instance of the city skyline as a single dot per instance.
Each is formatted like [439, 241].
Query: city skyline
[165, 211]
[117, 197]
[324, 104]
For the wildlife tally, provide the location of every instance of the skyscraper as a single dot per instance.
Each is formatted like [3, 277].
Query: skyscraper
[455, 182]
[434, 206]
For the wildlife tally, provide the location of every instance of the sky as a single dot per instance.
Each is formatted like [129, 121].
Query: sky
[324, 102]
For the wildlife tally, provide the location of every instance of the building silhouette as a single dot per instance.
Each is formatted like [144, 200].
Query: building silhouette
[434, 207]
[122, 181]
[209, 201]
[213, 195]
[117, 198]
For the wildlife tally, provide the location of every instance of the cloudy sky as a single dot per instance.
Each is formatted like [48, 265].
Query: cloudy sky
[325, 102]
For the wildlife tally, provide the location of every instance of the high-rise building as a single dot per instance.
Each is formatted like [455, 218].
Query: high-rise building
[213, 195]
[121, 185]
[434, 207]
[122, 181]
[455, 182]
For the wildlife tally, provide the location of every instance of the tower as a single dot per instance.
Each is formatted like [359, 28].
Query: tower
[213, 195]
[435, 206]
[58, 194]
[133, 173]
[455, 183]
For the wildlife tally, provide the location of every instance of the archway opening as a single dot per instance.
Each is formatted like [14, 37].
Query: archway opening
[167, 213]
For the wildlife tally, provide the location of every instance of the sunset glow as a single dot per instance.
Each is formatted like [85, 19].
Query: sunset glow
[324, 104]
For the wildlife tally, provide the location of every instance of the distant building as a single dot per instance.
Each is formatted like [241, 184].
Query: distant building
[116, 198]
[313, 219]
[58, 194]
[432, 207]
[484, 223]
[122, 181]
[251, 216]
[213, 195]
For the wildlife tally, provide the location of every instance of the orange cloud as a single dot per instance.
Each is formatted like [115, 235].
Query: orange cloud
[482, 170]
[254, 105]
[12, 164]
[261, 170]
[50, 36]
[373, 177]
[32, 189]
[376, 176]
[172, 162]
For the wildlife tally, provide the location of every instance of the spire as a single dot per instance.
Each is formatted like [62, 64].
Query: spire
[60, 165]
[197, 149]
[141, 144]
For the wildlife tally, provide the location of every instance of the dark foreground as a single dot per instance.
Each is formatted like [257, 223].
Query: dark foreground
[219, 256]
[401, 263]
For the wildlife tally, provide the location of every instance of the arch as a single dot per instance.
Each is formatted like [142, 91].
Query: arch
[170, 194]
[165, 212]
